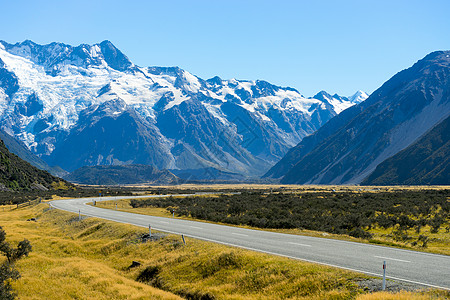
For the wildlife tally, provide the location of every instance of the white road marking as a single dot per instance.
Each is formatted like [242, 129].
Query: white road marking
[240, 234]
[298, 244]
[164, 222]
[396, 259]
[195, 227]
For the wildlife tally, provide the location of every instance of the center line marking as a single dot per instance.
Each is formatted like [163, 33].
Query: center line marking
[239, 234]
[164, 222]
[396, 259]
[195, 227]
[298, 244]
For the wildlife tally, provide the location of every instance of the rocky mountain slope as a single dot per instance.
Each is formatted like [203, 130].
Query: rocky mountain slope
[90, 105]
[114, 175]
[350, 146]
[426, 162]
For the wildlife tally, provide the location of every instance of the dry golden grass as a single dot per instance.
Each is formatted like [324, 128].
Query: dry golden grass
[399, 296]
[61, 267]
[439, 242]
[89, 259]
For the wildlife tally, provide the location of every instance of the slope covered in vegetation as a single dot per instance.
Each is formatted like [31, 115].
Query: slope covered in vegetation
[17, 174]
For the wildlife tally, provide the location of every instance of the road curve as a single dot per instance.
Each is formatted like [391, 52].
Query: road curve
[432, 270]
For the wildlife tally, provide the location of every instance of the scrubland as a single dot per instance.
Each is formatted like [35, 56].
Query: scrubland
[417, 219]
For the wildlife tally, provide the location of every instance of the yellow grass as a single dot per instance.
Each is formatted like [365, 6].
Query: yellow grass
[399, 296]
[62, 267]
[90, 258]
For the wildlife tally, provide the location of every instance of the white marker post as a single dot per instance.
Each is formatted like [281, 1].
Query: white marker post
[384, 276]
[173, 213]
[79, 215]
[150, 230]
[184, 241]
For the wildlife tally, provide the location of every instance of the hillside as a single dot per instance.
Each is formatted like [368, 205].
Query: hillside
[19, 149]
[425, 162]
[350, 146]
[17, 174]
[114, 175]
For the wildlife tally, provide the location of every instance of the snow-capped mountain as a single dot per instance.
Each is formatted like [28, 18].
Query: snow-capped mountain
[90, 105]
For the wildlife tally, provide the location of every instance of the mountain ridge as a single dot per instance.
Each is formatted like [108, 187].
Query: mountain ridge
[241, 126]
[121, 174]
[425, 162]
[349, 148]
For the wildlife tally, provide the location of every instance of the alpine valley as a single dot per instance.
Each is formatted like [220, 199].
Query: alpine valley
[90, 105]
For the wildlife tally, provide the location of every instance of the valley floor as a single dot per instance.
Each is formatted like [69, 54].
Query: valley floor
[417, 233]
[93, 258]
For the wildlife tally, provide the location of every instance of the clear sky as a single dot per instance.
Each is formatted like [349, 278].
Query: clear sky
[337, 46]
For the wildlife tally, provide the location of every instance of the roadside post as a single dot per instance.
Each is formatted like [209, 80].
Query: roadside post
[79, 215]
[184, 241]
[150, 230]
[173, 213]
[384, 276]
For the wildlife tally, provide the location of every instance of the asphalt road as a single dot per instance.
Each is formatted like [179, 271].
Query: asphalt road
[426, 269]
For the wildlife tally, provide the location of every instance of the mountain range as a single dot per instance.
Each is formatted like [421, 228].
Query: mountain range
[89, 105]
[399, 135]
[117, 175]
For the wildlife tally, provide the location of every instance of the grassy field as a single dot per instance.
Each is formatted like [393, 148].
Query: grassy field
[91, 258]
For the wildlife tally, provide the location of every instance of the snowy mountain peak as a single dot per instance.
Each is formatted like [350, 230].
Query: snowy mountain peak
[113, 56]
[57, 58]
[358, 97]
[216, 80]
[322, 95]
[54, 96]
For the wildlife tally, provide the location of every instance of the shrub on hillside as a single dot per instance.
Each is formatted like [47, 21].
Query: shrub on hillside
[7, 270]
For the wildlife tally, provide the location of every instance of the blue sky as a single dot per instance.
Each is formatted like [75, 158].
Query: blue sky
[337, 46]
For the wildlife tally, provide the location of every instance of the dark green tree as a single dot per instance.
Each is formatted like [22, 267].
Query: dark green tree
[7, 270]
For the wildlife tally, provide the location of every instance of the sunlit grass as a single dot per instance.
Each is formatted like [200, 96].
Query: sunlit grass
[89, 259]
[403, 295]
[62, 266]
